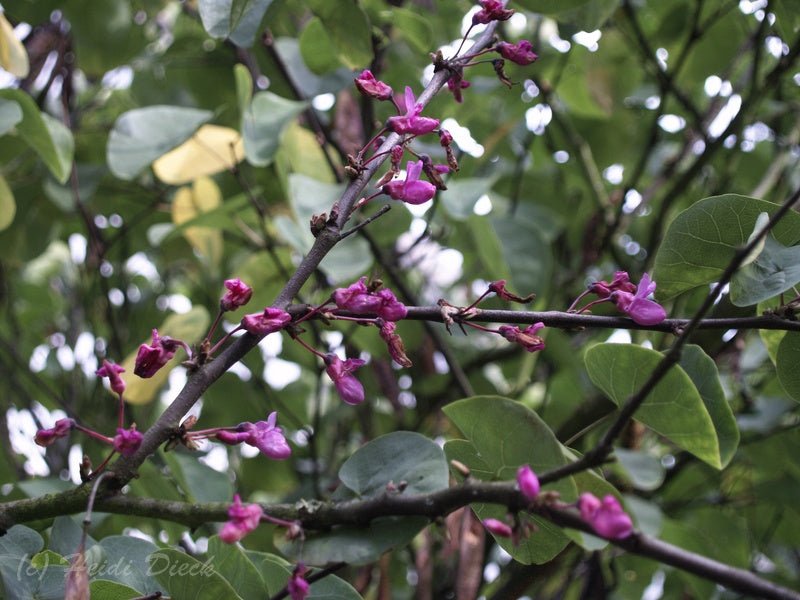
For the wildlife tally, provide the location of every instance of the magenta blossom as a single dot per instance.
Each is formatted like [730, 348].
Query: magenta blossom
[526, 338]
[47, 437]
[357, 298]
[244, 518]
[498, 528]
[621, 282]
[238, 294]
[521, 53]
[371, 87]
[411, 122]
[112, 371]
[391, 309]
[606, 517]
[491, 10]
[341, 373]
[151, 358]
[297, 586]
[411, 190]
[637, 306]
[263, 435]
[127, 441]
[264, 323]
[457, 83]
[528, 482]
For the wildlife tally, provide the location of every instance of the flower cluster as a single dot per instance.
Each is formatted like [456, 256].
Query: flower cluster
[244, 518]
[606, 516]
[629, 298]
[264, 435]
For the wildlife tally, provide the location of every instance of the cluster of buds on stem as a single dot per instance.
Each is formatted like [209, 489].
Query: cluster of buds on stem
[629, 298]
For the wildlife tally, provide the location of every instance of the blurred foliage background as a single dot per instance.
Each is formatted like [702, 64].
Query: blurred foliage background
[635, 111]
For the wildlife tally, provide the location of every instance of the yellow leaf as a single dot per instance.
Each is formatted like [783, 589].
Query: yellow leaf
[7, 205]
[210, 150]
[189, 327]
[13, 57]
[191, 202]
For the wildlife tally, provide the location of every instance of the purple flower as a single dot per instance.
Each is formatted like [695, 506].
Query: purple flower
[491, 10]
[411, 122]
[395, 344]
[498, 527]
[637, 306]
[244, 518]
[526, 338]
[606, 517]
[412, 189]
[269, 321]
[151, 358]
[357, 298]
[127, 441]
[528, 482]
[521, 53]
[238, 294]
[374, 88]
[499, 288]
[340, 371]
[457, 83]
[390, 309]
[47, 437]
[445, 138]
[263, 435]
[621, 282]
[242, 434]
[298, 587]
[112, 371]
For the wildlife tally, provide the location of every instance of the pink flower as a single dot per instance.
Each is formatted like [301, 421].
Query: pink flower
[457, 83]
[498, 527]
[526, 338]
[371, 87]
[151, 358]
[621, 282]
[521, 53]
[238, 294]
[411, 122]
[528, 482]
[112, 371]
[298, 587]
[244, 518]
[360, 299]
[127, 441]
[637, 306]
[47, 437]
[606, 517]
[263, 435]
[340, 371]
[395, 344]
[491, 10]
[269, 321]
[445, 138]
[412, 189]
[357, 298]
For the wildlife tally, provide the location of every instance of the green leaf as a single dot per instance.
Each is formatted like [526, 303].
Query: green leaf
[8, 207]
[589, 16]
[349, 30]
[703, 372]
[701, 241]
[551, 6]
[229, 560]
[317, 48]
[356, 545]
[263, 123]
[673, 409]
[125, 562]
[276, 572]
[645, 470]
[235, 19]
[142, 135]
[787, 363]
[49, 138]
[104, 589]
[185, 577]
[244, 87]
[527, 253]
[462, 193]
[200, 482]
[774, 271]
[502, 435]
[10, 115]
[21, 541]
[395, 457]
